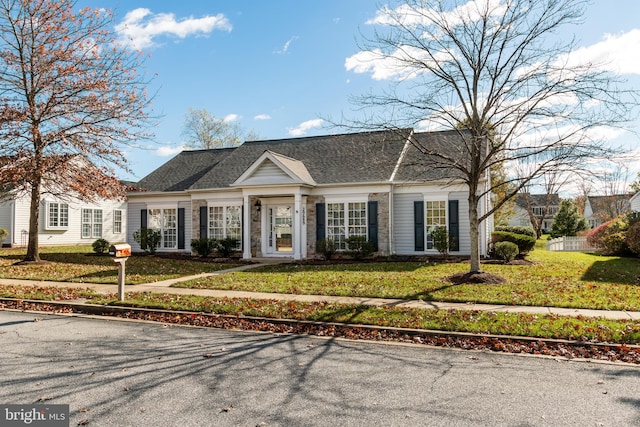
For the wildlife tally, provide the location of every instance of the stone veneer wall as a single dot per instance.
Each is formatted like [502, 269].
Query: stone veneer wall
[195, 218]
[256, 228]
[383, 221]
[311, 224]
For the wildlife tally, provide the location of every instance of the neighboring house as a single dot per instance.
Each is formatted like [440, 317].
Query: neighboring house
[64, 222]
[541, 208]
[634, 202]
[280, 197]
[600, 209]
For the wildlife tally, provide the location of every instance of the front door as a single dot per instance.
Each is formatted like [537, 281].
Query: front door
[280, 229]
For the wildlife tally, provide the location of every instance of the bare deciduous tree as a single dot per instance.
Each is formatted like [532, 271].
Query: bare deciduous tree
[490, 62]
[203, 130]
[70, 101]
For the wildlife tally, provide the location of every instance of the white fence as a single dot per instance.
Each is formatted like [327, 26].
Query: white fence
[570, 244]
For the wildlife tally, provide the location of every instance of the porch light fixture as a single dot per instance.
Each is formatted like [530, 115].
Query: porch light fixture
[258, 205]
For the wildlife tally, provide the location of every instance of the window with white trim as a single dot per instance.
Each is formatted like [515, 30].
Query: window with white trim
[57, 215]
[91, 223]
[436, 215]
[226, 222]
[341, 226]
[164, 220]
[117, 221]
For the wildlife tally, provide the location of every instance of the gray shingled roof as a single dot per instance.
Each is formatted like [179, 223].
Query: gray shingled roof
[539, 200]
[184, 170]
[330, 159]
[358, 157]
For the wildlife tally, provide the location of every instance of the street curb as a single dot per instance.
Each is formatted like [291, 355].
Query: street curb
[117, 311]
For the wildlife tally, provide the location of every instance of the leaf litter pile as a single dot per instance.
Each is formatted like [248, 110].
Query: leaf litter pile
[555, 348]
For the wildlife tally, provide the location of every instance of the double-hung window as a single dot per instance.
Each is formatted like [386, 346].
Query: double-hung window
[117, 221]
[346, 219]
[57, 215]
[226, 222]
[436, 216]
[164, 220]
[91, 223]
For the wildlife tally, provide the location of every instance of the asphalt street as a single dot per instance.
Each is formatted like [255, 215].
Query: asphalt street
[123, 373]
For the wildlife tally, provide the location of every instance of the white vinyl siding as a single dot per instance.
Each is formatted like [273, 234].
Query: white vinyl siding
[268, 173]
[404, 223]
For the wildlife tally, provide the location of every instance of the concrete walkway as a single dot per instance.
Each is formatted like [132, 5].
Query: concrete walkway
[165, 287]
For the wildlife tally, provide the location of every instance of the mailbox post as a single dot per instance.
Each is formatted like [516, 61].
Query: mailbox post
[121, 253]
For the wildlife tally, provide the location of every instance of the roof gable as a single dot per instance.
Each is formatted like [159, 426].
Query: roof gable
[273, 168]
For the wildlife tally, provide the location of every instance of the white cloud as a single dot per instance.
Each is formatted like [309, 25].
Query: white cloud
[303, 127]
[286, 46]
[404, 62]
[614, 53]
[167, 151]
[262, 117]
[231, 118]
[140, 27]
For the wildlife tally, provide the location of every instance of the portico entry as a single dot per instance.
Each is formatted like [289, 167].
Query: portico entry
[279, 229]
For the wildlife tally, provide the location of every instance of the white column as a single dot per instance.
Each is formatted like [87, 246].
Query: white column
[297, 227]
[246, 229]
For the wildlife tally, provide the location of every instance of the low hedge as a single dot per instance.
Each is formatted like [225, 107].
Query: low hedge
[517, 229]
[525, 243]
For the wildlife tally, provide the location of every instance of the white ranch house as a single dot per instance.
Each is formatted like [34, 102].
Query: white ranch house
[65, 221]
[280, 197]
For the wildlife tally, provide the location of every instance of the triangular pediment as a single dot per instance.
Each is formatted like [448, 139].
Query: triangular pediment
[275, 169]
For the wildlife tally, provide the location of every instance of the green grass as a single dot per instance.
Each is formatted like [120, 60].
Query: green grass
[570, 279]
[79, 264]
[517, 324]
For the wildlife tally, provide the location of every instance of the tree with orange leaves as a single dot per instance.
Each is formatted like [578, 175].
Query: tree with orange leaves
[71, 100]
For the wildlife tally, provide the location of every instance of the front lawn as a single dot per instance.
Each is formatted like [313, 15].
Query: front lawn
[80, 264]
[569, 279]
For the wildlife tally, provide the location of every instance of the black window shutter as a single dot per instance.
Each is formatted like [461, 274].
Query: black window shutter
[454, 226]
[143, 218]
[320, 222]
[181, 228]
[418, 222]
[372, 223]
[203, 221]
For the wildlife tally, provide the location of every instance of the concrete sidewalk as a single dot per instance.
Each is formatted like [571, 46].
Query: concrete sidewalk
[165, 287]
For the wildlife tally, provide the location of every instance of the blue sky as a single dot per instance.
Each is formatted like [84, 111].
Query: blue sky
[278, 67]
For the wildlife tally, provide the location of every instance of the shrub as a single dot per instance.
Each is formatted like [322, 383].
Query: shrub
[100, 246]
[506, 250]
[3, 235]
[525, 243]
[359, 247]
[148, 239]
[441, 239]
[633, 238]
[326, 247]
[610, 237]
[203, 246]
[226, 247]
[517, 229]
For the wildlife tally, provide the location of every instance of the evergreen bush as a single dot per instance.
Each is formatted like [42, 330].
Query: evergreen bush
[506, 250]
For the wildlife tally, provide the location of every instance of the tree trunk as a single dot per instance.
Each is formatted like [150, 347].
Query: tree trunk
[474, 226]
[33, 253]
